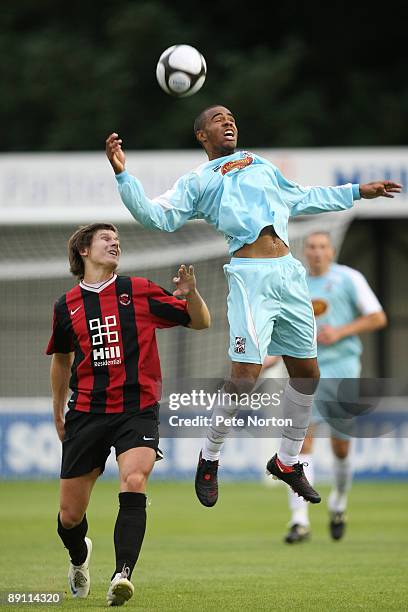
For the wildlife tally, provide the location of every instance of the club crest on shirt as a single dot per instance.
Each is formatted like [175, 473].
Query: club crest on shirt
[239, 344]
[319, 307]
[124, 299]
[236, 164]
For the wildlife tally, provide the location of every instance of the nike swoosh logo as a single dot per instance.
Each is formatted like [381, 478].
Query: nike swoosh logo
[144, 438]
[74, 311]
[285, 469]
[73, 589]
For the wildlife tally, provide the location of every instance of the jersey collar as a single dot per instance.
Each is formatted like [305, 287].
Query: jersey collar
[98, 287]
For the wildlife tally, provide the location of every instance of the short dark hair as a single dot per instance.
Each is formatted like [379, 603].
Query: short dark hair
[80, 240]
[319, 233]
[200, 120]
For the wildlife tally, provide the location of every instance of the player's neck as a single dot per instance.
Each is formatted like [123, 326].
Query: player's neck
[97, 275]
[319, 271]
[216, 154]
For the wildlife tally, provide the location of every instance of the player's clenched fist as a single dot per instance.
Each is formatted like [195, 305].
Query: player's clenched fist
[114, 152]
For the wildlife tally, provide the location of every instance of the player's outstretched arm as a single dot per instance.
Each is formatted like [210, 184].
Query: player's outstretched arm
[377, 189]
[115, 154]
[313, 200]
[167, 212]
[186, 287]
[60, 375]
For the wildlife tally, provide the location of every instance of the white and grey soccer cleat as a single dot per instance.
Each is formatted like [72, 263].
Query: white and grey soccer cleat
[121, 589]
[78, 575]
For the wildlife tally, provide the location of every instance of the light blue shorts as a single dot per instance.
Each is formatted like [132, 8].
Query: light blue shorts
[269, 309]
[337, 396]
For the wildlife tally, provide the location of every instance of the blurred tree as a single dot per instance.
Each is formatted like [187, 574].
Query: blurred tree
[307, 74]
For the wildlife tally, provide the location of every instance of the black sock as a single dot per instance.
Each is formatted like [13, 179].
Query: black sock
[129, 532]
[74, 540]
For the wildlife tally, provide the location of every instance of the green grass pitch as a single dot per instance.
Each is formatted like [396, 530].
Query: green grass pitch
[228, 558]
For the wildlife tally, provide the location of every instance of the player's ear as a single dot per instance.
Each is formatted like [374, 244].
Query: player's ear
[84, 252]
[201, 136]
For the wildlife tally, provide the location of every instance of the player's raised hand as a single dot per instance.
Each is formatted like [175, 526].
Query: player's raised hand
[185, 281]
[114, 152]
[379, 188]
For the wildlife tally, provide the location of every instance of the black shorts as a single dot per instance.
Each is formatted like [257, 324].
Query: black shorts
[89, 438]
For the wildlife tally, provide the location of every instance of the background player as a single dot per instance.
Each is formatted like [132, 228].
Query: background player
[104, 348]
[246, 198]
[344, 306]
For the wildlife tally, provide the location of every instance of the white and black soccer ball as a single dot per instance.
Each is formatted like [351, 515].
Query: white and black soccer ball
[181, 71]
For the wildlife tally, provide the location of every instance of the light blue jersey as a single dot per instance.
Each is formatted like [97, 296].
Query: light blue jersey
[238, 194]
[338, 297]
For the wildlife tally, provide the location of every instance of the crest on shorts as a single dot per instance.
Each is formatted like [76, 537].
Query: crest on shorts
[239, 344]
[236, 164]
[319, 307]
[124, 299]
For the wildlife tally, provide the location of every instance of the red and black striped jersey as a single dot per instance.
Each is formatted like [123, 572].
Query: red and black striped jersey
[111, 331]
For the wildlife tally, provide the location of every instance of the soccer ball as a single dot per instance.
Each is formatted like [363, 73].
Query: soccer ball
[181, 71]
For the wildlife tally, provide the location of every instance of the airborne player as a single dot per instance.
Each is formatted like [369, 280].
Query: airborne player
[269, 311]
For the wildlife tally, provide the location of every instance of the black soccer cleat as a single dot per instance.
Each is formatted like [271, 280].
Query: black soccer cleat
[295, 477]
[297, 533]
[337, 525]
[206, 482]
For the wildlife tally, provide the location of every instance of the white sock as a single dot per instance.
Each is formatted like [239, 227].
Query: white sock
[297, 407]
[343, 476]
[216, 434]
[297, 505]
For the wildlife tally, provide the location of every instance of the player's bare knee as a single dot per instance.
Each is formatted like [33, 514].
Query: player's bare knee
[70, 517]
[135, 482]
[304, 374]
[304, 384]
[243, 378]
[311, 370]
[340, 447]
[341, 453]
